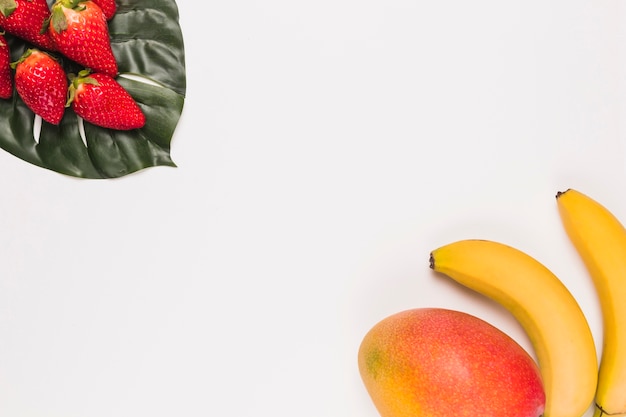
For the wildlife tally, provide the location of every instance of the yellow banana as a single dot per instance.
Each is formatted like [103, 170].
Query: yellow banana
[552, 318]
[600, 239]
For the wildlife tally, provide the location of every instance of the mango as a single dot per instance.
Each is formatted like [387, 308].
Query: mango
[435, 362]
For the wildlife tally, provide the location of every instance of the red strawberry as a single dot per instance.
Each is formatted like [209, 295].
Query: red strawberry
[102, 101]
[109, 7]
[41, 83]
[80, 32]
[26, 19]
[6, 76]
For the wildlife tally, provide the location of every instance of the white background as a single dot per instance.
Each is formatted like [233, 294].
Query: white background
[324, 149]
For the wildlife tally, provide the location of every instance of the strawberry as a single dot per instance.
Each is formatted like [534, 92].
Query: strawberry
[6, 76]
[41, 83]
[102, 101]
[109, 7]
[80, 32]
[26, 19]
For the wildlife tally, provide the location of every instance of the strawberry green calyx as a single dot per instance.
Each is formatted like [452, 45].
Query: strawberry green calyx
[75, 81]
[28, 53]
[21, 59]
[72, 4]
[7, 7]
[58, 19]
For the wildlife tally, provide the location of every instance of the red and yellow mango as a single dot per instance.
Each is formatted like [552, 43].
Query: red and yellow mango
[433, 362]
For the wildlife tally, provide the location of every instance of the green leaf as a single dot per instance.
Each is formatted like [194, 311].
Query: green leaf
[147, 41]
[7, 7]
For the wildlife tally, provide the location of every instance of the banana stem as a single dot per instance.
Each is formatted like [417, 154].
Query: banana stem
[599, 412]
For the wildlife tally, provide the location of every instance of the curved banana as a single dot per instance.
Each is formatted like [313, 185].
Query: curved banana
[600, 239]
[553, 320]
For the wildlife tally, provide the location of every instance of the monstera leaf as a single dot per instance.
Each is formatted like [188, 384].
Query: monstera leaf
[147, 41]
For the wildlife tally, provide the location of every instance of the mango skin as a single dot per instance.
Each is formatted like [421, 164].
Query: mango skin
[433, 362]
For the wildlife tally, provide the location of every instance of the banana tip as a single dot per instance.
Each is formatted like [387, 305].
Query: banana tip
[560, 193]
[431, 261]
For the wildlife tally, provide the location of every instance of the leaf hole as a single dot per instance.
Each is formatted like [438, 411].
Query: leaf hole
[140, 78]
[81, 130]
[37, 128]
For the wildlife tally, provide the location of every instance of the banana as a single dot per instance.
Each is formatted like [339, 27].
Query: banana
[555, 324]
[600, 239]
